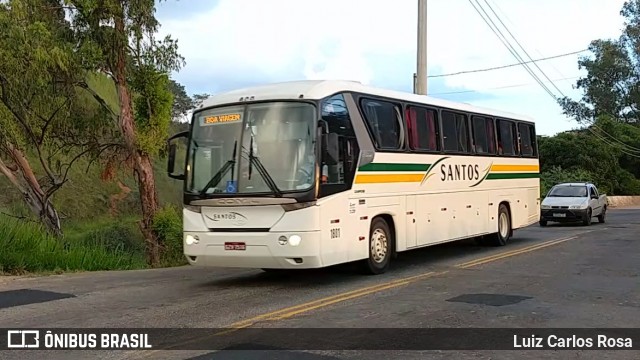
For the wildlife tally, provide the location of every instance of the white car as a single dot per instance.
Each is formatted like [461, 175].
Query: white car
[569, 202]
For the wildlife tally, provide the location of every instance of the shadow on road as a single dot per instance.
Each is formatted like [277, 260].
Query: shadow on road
[423, 259]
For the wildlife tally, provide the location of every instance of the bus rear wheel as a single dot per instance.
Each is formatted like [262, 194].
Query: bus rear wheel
[380, 239]
[504, 227]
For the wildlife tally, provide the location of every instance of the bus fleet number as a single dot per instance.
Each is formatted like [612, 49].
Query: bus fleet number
[335, 233]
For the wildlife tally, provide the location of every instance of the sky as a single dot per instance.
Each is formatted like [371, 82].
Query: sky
[230, 44]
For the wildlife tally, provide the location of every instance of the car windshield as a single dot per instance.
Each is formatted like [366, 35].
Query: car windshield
[257, 148]
[568, 191]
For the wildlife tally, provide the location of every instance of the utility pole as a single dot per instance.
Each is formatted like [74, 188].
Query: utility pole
[420, 82]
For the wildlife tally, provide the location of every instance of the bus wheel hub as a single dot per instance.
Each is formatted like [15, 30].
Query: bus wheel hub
[378, 245]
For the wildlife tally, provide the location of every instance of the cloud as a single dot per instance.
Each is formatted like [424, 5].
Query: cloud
[235, 43]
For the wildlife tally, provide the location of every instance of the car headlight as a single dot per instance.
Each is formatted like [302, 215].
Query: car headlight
[577, 206]
[546, 207]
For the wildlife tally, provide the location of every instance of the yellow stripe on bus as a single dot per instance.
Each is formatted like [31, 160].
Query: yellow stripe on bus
[388, 178]
[501, 168]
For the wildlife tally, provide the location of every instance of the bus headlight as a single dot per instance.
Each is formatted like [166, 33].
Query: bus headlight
[191, 240]
[294, 240]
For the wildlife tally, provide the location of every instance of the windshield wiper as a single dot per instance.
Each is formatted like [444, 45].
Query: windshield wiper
[265, 174]
[222, 172]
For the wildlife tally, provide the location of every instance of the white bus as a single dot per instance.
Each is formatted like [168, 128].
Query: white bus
[309, 174]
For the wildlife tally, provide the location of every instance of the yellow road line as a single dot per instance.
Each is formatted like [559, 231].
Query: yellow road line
[507, 254]
[291, 311]
[309, 306]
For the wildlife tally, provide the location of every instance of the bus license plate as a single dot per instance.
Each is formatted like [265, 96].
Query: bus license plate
[235, 246]
[560, 215]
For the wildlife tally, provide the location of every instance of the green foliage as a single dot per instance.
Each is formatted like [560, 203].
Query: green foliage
[609, 145]
[556, 174]
[153, 107]
[182, 103]
[26, 247]
[168, 225]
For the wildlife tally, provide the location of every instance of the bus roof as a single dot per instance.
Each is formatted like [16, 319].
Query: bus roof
[319, 89]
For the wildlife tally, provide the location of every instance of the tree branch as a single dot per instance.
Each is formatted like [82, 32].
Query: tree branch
[98, 98]
[50, 119]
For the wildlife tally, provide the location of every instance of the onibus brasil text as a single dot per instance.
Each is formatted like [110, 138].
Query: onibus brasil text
[70, 340]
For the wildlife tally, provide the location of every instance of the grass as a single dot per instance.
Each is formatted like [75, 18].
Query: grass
[95, 239]
[27, 248]
[98, 217]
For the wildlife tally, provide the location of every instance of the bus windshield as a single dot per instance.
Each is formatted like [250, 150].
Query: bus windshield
[568, 191]
[256, 148]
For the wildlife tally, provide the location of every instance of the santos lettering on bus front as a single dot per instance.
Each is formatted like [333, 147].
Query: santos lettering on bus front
[221, 118]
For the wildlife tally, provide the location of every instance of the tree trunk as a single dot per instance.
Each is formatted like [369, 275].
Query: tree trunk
[33, 195]
[143, 167]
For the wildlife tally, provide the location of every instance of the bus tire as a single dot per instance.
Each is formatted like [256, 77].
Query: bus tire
[380, 239]
[501, 237]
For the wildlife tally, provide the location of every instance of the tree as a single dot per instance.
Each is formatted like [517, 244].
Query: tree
[182, 103]
[37, 103]
[612, 84]
[199, 98]
[117, 38]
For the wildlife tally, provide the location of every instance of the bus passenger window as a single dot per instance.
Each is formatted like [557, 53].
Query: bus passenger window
[382, 120]
[454, 131]
[423, 129]
[483, 135]
[527, 139]
[507, 138]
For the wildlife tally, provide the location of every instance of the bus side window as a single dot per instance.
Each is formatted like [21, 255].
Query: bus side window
[507, 138]
[382, 119]
[483, 135]
[455, 132]
[423, 129]
[527, 140]
[335, 113]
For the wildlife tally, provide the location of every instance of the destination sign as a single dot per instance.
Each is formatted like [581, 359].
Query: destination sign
[215, 119]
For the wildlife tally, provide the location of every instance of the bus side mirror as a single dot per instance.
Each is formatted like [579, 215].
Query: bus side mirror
[171, 161]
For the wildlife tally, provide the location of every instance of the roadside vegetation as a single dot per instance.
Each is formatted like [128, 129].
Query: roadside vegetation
[85, 111]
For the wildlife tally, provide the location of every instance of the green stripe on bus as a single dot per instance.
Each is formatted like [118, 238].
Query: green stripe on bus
[394, 167]
[505, 176]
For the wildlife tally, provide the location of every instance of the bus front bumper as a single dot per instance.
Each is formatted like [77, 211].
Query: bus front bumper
[253, 250]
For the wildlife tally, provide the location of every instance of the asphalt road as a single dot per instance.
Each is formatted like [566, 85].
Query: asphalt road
[559, 276]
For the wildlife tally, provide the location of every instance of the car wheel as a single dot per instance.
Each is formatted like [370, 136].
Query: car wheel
[587, 220]
[602, 217]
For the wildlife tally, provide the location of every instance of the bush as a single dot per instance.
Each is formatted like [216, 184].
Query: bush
[557, 175]
[26, 247]
[168, 225]
[119, 235]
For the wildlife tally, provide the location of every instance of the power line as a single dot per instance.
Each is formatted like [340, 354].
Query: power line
[514, 52]
[505, 66]
[496, 88]
[505, 16]
[521, 47]
[506, 43]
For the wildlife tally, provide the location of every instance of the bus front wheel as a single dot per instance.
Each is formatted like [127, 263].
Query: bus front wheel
[380, 238]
